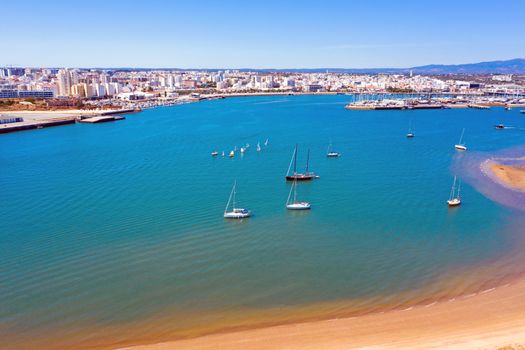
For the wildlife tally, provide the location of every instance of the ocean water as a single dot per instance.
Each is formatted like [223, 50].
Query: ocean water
[113, 235]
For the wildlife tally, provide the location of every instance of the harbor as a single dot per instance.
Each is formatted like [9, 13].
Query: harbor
[377, 102]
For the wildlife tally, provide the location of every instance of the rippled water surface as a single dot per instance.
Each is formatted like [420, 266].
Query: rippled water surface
[113, 234]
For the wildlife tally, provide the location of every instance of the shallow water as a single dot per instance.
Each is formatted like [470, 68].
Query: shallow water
[113, 233]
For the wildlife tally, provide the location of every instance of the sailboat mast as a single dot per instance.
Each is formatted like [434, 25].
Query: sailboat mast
[461, 138]
[295, 161]
[307, 160]
[453, 189]
[234, 192]
[290, 193]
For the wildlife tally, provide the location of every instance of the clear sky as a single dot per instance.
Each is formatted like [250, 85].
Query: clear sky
[260, 34]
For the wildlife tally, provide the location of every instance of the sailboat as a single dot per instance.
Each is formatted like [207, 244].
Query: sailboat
[461, 146]
[258, 147]
[266, 143]
[295, 205]
[214, 153]
[330, 153]
[298, 176]
[222, 153]
[235, 213]
[454, 199]
[243, 150]
[232, 154]
[410, 133]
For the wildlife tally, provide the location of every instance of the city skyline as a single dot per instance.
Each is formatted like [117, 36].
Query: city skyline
[261, 35]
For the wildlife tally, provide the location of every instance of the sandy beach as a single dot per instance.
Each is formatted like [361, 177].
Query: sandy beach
[488, 320]
[512, 176]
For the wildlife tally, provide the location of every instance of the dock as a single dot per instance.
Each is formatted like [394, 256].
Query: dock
[476, 106]
[43, 119]
[19, 126]
[100, 119]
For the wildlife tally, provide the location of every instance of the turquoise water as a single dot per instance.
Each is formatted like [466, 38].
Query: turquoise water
[114, 227]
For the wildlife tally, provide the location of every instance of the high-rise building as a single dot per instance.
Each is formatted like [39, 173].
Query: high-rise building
[64, 82]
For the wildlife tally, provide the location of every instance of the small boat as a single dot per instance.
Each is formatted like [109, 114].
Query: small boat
[461, 146]
[499, 126]
[258, 147]
[235, 213]
[243, 149]
[454, 199]
[214, 153]
[266, 142]
[222, 154]
[330, 153]
[232, 154]
[410, 133]
[295, 204]
[298, 176]
[507, 108]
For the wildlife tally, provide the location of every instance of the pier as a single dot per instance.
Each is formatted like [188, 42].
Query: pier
[44, 119]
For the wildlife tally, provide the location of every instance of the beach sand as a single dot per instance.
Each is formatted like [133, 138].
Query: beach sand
[488, 320]
[512, 176]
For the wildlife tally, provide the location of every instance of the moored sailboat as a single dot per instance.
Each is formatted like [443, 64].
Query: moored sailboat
[454, 199]
[298, 176]
[330, 153]
[295, 204]
[410, 133]
[235, 213]
[461, 146]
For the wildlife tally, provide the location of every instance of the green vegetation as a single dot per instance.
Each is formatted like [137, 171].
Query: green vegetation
[400, 90]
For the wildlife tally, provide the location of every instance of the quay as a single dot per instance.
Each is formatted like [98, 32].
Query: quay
[19, 121]
[100, 119]
[19, 126]
[476, 106]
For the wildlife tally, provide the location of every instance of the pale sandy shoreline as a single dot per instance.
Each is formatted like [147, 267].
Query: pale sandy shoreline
[511, 176]
[487, 320]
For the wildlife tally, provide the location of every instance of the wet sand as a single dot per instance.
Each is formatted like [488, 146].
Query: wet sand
[488, 320]
[512, 176]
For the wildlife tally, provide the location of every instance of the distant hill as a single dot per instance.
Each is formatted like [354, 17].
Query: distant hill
[514, 66]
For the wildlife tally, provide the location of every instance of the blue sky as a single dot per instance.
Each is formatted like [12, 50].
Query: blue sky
[260, 34]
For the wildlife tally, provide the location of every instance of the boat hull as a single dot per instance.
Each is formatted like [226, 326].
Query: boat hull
[460, 147]
[237, 215]
[453, 202]
[299, 206]
[299, 177]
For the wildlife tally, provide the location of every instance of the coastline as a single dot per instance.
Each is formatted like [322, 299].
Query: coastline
[486, 320]
[512, 176]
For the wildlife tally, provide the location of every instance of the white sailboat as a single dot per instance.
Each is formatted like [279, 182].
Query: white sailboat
[235, 213]
[410, 133]
[295, 204]
[330, 153]
[258, 147]
[232, 154]
[454, 199]
[266, 142]
[461, 146]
